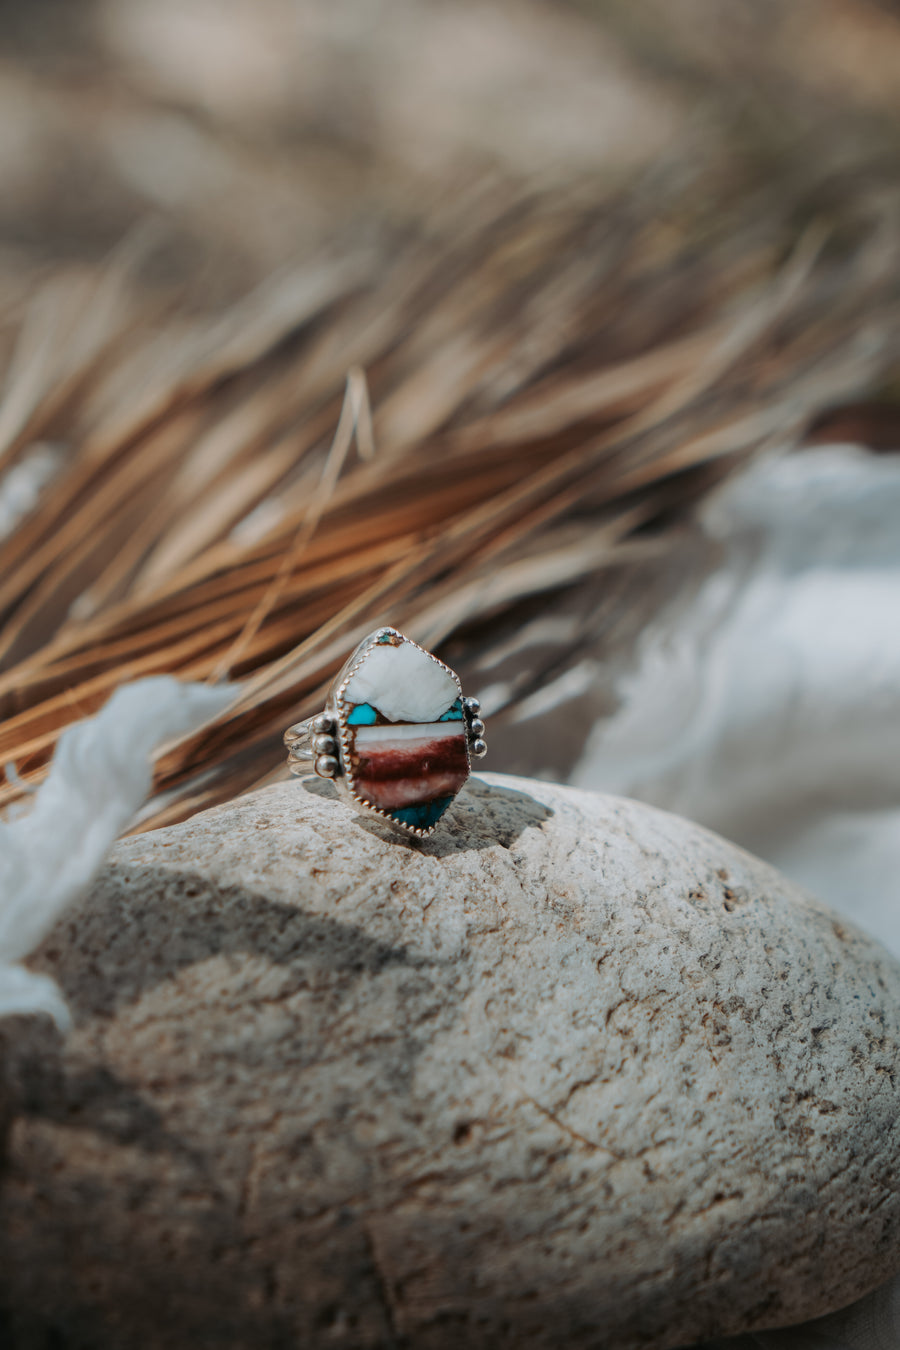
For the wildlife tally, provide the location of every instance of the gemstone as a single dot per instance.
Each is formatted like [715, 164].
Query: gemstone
[403, 683]
[406, 747]
[362, 715]
[425, 816]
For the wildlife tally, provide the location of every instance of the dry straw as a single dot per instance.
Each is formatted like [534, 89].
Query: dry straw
[546, 379]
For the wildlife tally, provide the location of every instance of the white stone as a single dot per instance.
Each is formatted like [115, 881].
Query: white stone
[404, 683]
[572, 1073]
[418, 731]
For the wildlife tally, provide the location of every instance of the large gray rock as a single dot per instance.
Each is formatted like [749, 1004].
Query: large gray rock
[572, 1073]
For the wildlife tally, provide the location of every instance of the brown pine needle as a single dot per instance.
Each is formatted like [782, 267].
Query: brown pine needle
[552, 391]
[355, 413]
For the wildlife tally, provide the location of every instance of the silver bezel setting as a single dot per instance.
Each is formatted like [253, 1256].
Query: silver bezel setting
[345, 733]
[322, 744]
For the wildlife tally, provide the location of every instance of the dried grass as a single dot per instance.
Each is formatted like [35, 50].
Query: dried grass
[547, 379]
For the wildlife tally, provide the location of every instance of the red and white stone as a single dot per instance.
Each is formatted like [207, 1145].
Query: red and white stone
[410, 764]
[404, 734]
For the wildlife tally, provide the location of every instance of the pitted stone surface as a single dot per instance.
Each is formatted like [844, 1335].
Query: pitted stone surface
[573, 1072]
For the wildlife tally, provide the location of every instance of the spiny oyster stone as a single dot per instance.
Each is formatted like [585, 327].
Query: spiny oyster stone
[402, 714]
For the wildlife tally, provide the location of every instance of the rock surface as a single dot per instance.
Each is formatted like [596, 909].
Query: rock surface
[572, 1073]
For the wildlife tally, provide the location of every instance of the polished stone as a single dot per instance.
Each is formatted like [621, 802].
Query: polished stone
[406, 752]
[397, 767]
[403, 683]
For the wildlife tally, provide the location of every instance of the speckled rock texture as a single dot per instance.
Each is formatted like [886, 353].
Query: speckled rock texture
[572, 1073]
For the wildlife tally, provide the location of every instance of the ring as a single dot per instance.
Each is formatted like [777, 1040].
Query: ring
[396, 733]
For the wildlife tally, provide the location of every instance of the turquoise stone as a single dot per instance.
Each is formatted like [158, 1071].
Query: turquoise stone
[363, 715]
[424, 816]
[454, 713]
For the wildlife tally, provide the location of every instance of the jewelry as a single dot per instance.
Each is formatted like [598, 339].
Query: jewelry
[396, 733]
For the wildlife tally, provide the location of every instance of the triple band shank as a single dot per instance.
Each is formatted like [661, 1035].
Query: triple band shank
[314, 741]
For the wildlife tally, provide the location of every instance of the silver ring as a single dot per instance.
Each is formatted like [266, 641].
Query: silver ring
[396, 735]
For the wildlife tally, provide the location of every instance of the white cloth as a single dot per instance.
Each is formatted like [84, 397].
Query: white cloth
[22, 485]
[100, 776]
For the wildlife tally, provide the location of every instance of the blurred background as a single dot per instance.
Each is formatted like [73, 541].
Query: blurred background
[564, 336]
[587, 265]
[256, 129]
[596, 272]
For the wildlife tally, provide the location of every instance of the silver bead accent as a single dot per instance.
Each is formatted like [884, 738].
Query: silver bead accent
[479, 748]
[472, 705]
[327, 766]
[324, 745]
[476, 727]
[323, 724]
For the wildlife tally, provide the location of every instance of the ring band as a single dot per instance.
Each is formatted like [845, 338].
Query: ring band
[396, 733]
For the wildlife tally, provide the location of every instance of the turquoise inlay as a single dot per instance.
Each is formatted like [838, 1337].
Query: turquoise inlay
[384, 638]
[424, 816]
[454, 712]
[363, 715]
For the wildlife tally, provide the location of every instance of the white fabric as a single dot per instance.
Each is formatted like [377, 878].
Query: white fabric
[769, 710]
[100, 775]
[22, 485]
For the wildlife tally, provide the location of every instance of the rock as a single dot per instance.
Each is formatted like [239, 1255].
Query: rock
[571, 1073]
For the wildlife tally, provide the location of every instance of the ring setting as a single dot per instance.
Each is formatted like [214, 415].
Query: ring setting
[396, 734]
